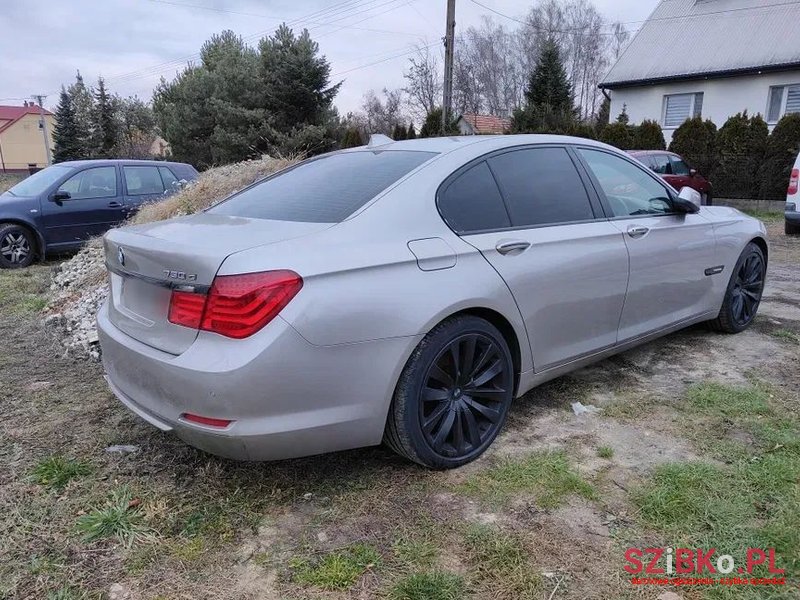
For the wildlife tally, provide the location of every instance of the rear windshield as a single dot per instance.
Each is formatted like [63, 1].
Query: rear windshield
[325, 190]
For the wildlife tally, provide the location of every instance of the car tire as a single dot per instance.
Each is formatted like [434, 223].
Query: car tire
[791, 228]
[17, 246]
[743, 295]
[445, 412]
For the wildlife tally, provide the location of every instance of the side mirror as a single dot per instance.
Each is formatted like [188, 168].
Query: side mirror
[61, 195]
[688, 200]
[692, 172]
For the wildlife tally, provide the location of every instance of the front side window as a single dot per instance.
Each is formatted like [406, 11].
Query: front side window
[661, 164]
[323, 190]
[169, 179]
[541, 186]
[679, 107]
[679, 167]
[472, 202]
[143, 180]
[99, 182]
[630, 191]
[783, 100]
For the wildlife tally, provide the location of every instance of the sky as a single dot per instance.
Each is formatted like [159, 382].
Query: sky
[133, 43]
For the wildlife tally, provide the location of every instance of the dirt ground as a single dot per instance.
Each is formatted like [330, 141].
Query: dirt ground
[546, 513]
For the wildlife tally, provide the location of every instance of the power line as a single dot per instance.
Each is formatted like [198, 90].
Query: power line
[166, 66]
[652, 20]
[270, 17]
[378, 62]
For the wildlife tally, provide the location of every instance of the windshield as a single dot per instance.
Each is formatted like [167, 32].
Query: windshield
[39, 182]
[324, 190]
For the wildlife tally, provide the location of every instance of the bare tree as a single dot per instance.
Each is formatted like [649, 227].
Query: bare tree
[380, 116]
[619, 40]
[424, 89]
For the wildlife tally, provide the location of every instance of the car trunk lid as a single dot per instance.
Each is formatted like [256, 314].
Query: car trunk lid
[147, 262]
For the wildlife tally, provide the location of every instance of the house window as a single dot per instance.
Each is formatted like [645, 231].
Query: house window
[679, 107]
[783, 100]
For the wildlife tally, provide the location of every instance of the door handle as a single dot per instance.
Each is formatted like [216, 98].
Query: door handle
[114, 204]
[515, 247]
[637, 231]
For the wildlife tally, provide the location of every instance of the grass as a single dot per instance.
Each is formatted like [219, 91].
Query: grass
[547, 476]
[119, 519]
[501, 563]
[786, 335]
[764, 215]
[752, 501]
[337, 570]
[55, 472]
[429, 585]
[67, 593]
[605, 452]
[419, 552]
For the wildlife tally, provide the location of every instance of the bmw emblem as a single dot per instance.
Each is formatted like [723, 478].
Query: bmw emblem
[121, 256]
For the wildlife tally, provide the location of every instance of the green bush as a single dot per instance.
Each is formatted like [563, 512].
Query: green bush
[741, 144]
[620, 135]
[696, 141]
[783, 146]
[648, 136]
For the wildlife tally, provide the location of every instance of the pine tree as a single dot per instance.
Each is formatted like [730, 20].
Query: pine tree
[352, 138]
[433, 125]
[65, 132]
[603, 115]
[649, 136]
[782, 148]
[107, 130]
[548, 107]
[399, 132]
[623, 116]
[412, 133]
[696, 141]
[82, 100]
[548, 84]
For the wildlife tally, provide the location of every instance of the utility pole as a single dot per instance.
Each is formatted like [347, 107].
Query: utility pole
[43, 126]
[449, 43]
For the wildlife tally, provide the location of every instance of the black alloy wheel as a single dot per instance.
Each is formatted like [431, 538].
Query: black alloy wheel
[454, 394]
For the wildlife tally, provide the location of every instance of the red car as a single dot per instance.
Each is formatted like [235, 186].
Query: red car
[675, 171]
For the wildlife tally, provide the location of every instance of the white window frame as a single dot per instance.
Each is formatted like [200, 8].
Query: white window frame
[692, 106]
[784, 100]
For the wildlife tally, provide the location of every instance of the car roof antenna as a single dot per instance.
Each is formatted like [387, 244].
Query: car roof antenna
[378, 139]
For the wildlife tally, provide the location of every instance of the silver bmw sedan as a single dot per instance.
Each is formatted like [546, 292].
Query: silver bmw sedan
[407, 292]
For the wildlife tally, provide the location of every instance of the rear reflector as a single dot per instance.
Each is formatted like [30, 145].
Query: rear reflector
[237, 306]
[221, 423]
[794, 182]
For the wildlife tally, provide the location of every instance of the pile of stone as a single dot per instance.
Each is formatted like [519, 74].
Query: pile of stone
[80, 284]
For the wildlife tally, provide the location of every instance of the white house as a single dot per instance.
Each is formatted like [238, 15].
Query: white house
[712, 58]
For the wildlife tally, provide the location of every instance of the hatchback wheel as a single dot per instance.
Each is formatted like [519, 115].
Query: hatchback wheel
[16, 246]
[791, 228]
[453, 396]
[743, 296]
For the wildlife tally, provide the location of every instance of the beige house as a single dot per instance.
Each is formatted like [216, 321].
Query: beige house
[22, 147]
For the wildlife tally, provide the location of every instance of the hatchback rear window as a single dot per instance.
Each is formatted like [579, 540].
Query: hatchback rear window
[325, 190]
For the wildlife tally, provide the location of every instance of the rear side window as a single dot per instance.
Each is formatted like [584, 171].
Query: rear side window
[472, 202]
[143, 180]
[324, 190]
[541, 186]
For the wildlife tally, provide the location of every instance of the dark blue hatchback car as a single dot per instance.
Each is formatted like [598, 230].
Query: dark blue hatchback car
[62, 206]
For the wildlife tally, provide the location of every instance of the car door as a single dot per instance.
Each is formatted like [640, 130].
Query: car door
[670, 252]
[663, 167]
[86, 204]
[143, 184]
[566, 265]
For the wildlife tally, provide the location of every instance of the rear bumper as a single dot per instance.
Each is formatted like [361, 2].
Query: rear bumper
[286, 397]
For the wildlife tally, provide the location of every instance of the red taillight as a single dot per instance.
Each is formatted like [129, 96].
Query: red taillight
[794, 182]
[237, 305]
[221, 423]
[186, 308]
